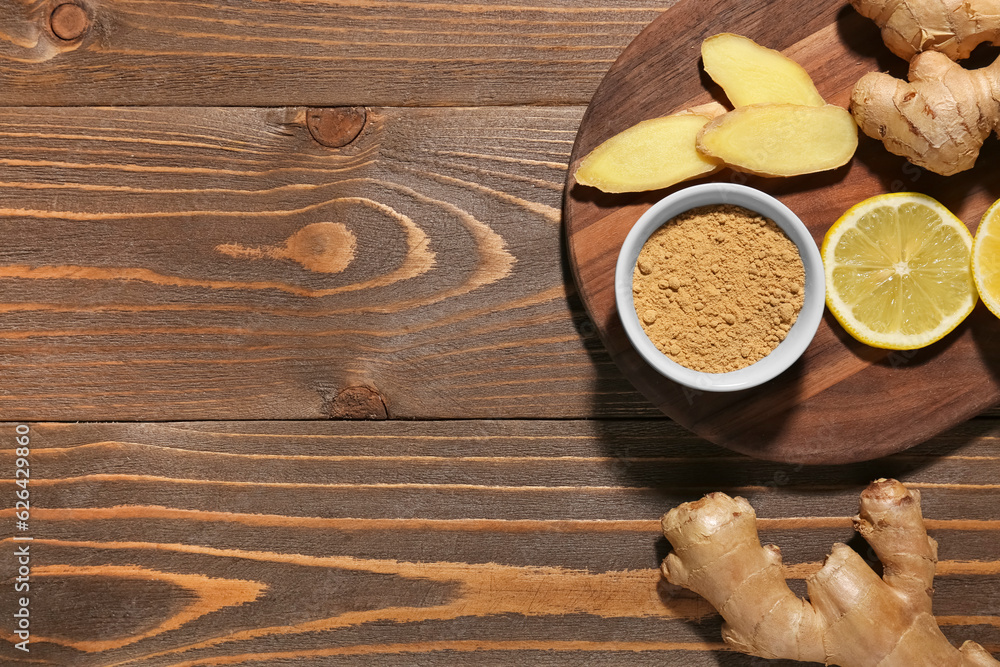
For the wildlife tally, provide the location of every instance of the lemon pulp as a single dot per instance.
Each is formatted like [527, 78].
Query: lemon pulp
[986, 258]
[898, 271]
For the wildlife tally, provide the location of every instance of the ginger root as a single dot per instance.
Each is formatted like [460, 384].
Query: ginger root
[951, 27]
[753, 74]
[939, 120]
[781, 139]
[853, 618]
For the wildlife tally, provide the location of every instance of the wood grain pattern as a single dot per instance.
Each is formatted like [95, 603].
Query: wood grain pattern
[315, 52]
[843, 401]
[221, 258]
[536, 541]
[220, 264]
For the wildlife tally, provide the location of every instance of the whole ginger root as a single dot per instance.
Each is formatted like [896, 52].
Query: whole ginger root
[939, 120]
[853, 618]
[952, 27]
[941, 117]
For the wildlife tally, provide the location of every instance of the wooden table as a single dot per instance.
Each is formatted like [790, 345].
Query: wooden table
[311, 384]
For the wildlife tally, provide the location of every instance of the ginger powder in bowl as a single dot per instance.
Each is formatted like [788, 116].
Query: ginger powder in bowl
[720, 287]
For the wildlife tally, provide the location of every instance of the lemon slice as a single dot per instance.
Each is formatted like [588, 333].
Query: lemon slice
[898, 272]
[986, 258]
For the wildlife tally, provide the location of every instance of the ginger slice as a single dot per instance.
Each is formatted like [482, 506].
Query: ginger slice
[664, 151]
[853, 617]
[781, 139]
[650, 155]
[753, 74]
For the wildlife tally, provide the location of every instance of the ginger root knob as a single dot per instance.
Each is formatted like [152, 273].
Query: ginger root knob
[939, 119]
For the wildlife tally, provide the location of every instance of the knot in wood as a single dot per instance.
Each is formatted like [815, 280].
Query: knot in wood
[357, 403]
[336, 126]
[69, 21]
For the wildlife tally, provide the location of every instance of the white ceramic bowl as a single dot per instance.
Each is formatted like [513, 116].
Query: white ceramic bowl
[802, 331]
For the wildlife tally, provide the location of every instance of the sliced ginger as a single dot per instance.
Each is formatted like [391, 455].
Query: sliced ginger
[753, 74]
[853, 617]
[781, 139]
[653, 154]
[664, 151]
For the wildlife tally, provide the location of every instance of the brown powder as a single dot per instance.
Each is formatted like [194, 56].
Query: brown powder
[718, 287]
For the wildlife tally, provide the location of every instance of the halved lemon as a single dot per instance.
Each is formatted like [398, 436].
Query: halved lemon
[898, 272]
[986, 258]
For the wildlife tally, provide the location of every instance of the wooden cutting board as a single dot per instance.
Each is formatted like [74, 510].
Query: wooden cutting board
[843, 401]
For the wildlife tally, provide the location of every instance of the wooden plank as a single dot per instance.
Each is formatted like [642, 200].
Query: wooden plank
[230, 542]
[189, 263]
[314, 52]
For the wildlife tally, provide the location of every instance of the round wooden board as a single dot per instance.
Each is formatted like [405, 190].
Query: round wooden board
[843, 401]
